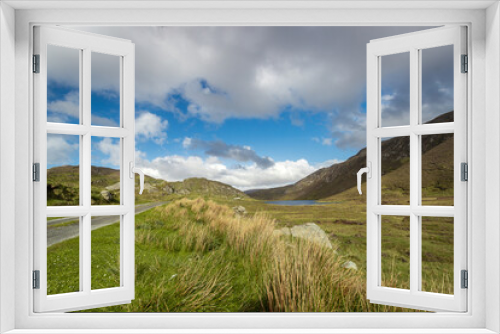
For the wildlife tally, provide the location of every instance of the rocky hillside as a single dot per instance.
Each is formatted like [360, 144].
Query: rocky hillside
[342, 176]
[63, 187]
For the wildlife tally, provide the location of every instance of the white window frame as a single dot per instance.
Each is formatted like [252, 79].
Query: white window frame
[484, 50]
[413, 44]
[124, 51]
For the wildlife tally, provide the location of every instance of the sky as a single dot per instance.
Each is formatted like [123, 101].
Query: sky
[253, 107]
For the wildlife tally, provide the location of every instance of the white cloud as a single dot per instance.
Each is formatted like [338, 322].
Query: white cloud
[324, 141]
[60, 151]
[68, 106]
[103, 121]
[111, 149]
[186, 143]
[318, 69]
[177, 168]
[68, 109]
[327, 141]
[149, 126]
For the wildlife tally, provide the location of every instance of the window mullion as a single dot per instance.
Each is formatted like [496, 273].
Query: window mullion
[414, 171]
[85, 186]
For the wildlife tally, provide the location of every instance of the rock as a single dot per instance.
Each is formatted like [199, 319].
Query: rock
[150, 188]
[169, 190]
[236, 198]
[183, 192]
[350, 265]
[285, 231]
[240, 210]
[108, 196]
[115, 186]
[313, 233]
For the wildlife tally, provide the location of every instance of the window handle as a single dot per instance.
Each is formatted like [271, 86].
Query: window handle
[133, 170]
[368, 171]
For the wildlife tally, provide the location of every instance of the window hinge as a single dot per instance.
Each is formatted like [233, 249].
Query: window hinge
[36, 172]
[465, 63]
[464, 167]
[36, 63]
[465, 279]
[36, 279]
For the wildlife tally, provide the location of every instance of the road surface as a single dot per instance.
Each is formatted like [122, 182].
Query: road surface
[56, 234]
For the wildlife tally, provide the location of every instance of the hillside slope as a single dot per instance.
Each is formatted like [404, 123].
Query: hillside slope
[63, 187]
[342, 176]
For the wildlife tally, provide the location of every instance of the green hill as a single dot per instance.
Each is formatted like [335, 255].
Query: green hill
[63, 187]
[340, 177]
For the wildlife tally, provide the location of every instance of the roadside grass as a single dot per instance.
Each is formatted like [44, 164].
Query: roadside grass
[198, 256]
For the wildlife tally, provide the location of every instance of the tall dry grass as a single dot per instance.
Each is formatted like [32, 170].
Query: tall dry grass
[294, 275]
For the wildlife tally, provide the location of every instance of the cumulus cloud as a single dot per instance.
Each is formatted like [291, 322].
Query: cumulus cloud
[300, 67]
[149, 126]
[220, 149]
[111, 150]
[65, 108]
[60, 151]
[178, 168]
[318, 69]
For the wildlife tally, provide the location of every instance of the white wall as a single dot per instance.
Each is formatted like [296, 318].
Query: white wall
[7, 160]
[492, 150]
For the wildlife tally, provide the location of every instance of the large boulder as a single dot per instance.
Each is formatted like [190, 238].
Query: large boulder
[240, 210]
[311, 232]
[350, 265]
[285, 231]
[183, 192]
[308, 231]
[168, 189]
[108, 196]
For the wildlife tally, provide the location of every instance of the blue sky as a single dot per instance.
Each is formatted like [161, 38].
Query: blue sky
[253, 107]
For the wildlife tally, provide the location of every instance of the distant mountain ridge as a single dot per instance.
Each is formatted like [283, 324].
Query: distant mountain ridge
[339, 177]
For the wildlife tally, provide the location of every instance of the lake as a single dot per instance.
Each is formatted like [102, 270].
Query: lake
[292, 203]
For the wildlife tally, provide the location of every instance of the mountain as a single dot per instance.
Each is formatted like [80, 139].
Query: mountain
[63, 187]
[339, 177]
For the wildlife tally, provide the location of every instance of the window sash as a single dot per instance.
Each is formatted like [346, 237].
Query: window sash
[413, 43]
[87, 43]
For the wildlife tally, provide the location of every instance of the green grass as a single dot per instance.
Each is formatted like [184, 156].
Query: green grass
[187, 263]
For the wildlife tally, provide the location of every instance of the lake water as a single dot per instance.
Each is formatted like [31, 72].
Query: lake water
[292, 203]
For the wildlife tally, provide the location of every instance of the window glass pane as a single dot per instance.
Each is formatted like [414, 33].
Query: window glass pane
[396, 251]
[105, 173]
[437, 254]
[395, 92]
[105, 90]
[63, 85]
[437, 84]
[63, 170]
[437, 169]
[63, 255]
[105, 245]
[395, 169]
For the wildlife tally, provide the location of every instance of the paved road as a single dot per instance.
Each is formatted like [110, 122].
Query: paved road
[61, 233]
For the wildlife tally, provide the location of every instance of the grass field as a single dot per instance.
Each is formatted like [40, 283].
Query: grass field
[197, 256]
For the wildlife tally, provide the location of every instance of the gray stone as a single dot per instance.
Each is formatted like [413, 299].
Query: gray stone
[240, 210]
[350, 265]
[183, 192]
[313, 233]
[285, 231]
[108, 196]
[115, 186]
[169, 190]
